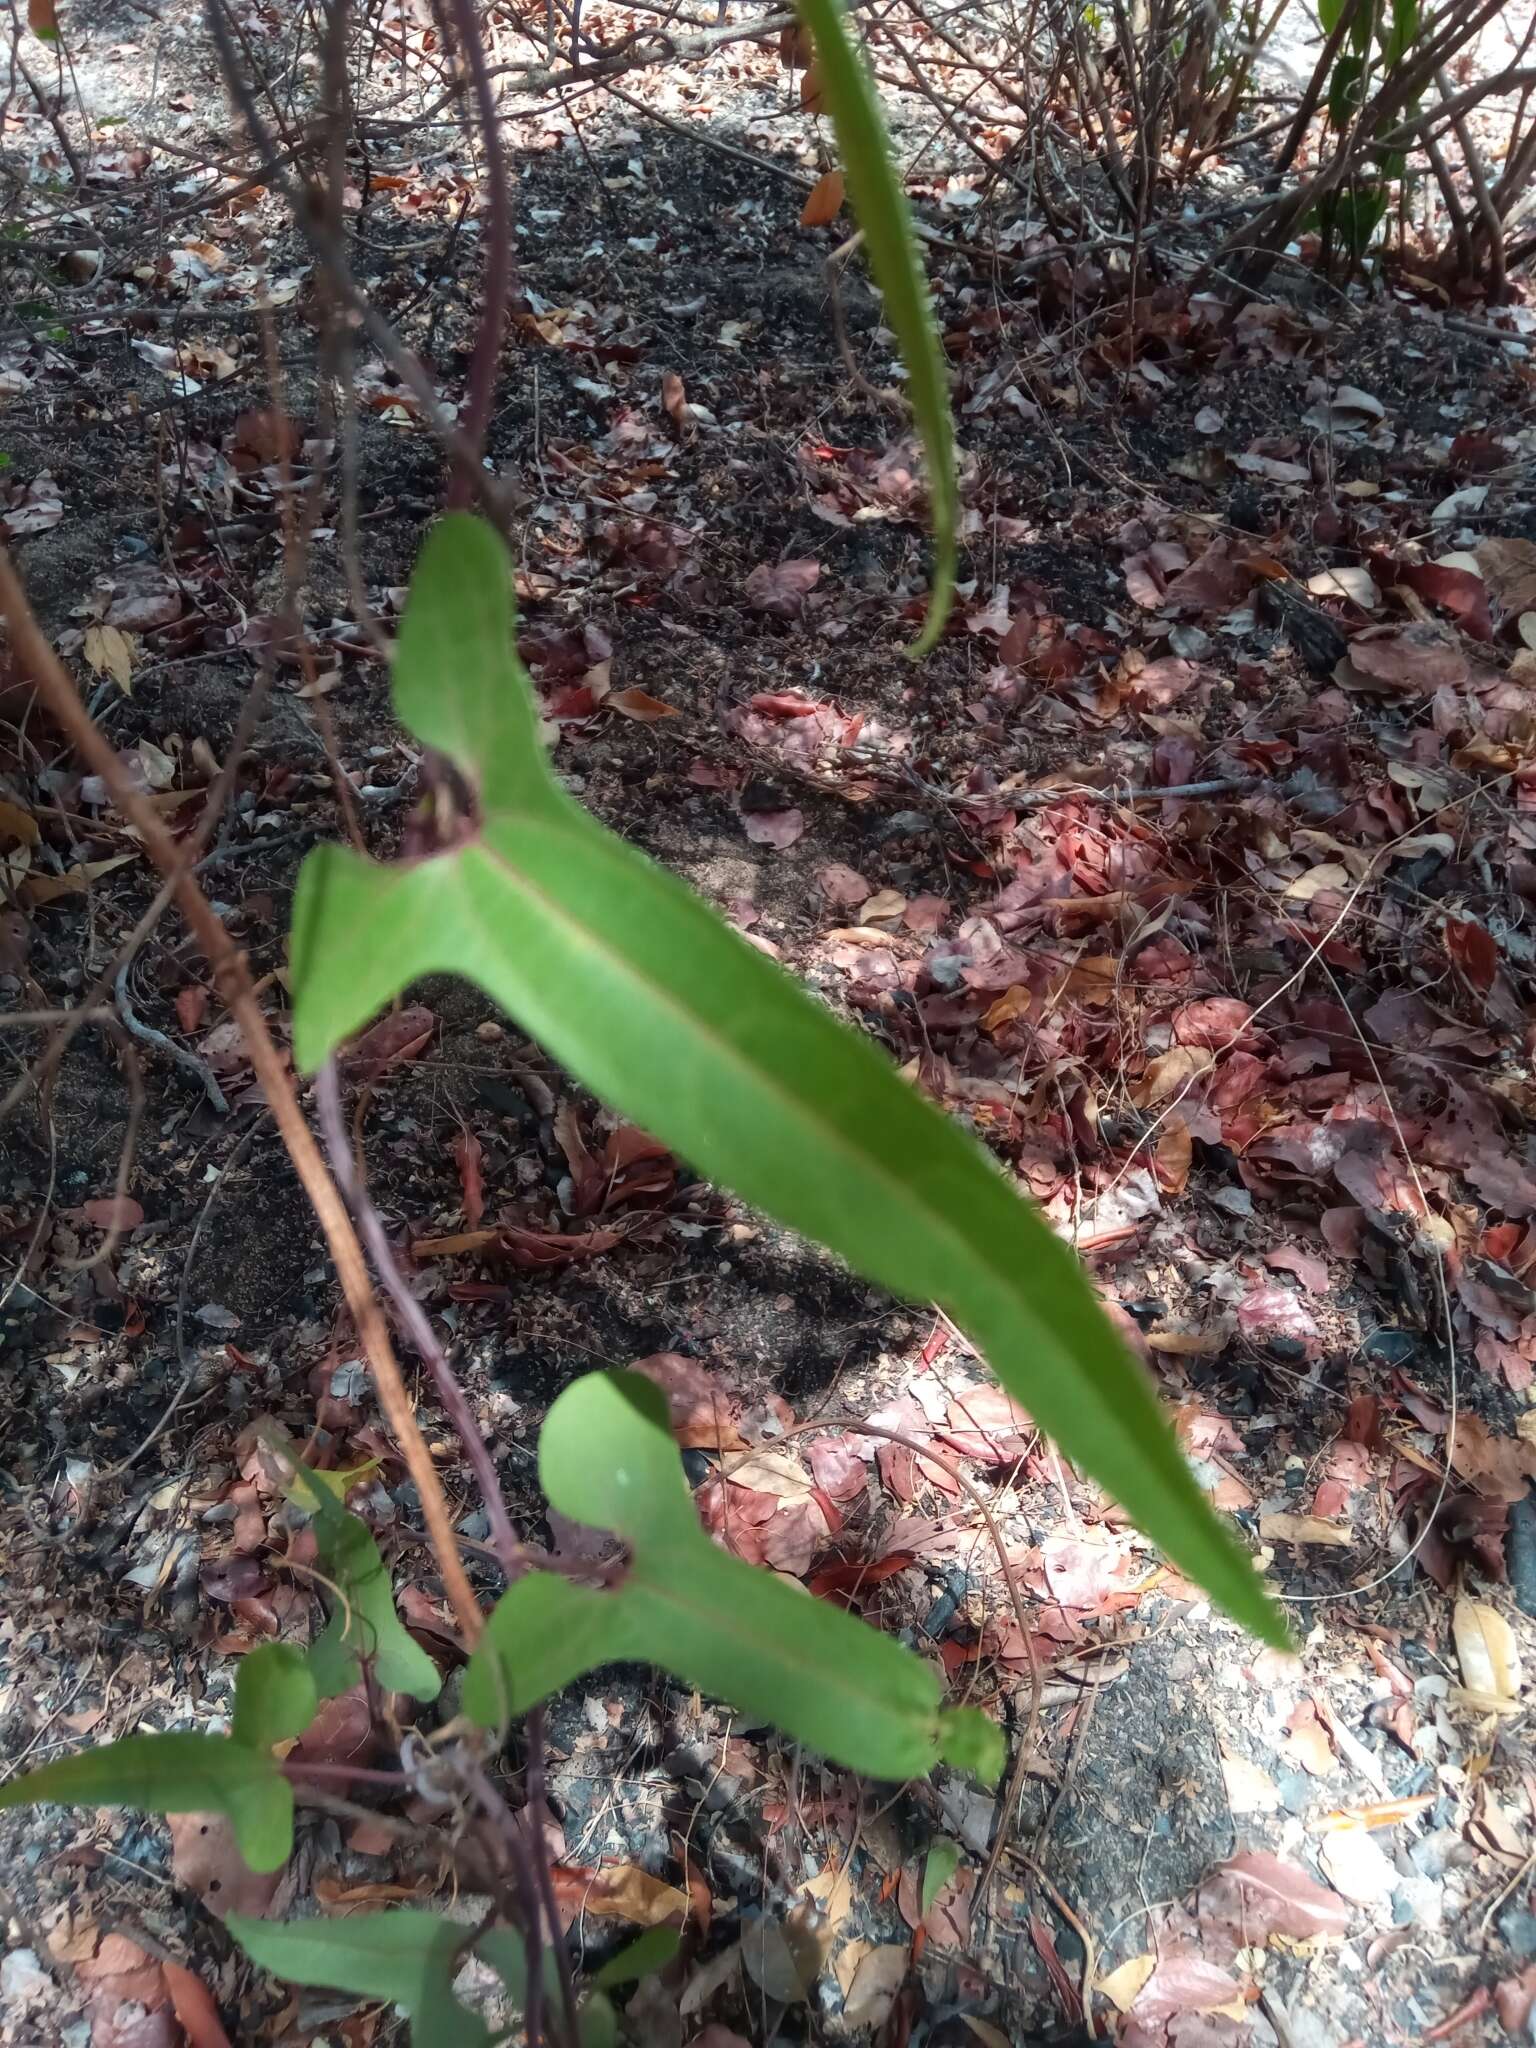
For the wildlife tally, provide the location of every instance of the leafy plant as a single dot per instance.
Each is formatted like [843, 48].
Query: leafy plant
[278, 1689]
[607, 1458]
[409, 1958]
[875, 189]
[637, 987]
[364, 1623]
[1380, 36]
[235, 1774]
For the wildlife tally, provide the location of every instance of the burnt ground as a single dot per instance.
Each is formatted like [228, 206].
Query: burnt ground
[1248, 1047]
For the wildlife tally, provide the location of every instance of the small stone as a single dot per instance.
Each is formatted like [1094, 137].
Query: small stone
[22, 1976]
[1418, 1902]
[1518, 1927]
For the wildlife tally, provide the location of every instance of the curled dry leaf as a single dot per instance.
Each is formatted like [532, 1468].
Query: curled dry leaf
[781, 588]
[641, 706]
[774, 828]
[1488, 1655]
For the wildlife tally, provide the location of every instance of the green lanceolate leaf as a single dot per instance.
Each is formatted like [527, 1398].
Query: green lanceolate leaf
[275, 1696]
[404, 1957]
[606, 1458]
[643, 1957]
[363, 1621]
[176, 1774]
[881, 206]
[637, 987]
[939, 1866]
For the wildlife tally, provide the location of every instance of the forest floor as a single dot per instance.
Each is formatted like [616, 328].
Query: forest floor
[1260, 1048]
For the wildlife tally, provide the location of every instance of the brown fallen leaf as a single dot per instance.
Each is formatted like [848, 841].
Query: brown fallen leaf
[641, 706]
[76, 881]
[620, 1891]
[824, 201]
[395, 1038]
[1488, 1655]
[875, 1983]
[194, 2008]
[1305, 1529]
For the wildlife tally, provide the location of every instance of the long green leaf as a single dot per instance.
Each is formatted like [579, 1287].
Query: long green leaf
[606, 1458]
[403, 1957]
[178, 1773]
[637, 987]
[363, 1621]
[881, 207]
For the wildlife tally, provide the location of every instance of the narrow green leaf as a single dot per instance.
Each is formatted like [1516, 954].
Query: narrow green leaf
[403, 1957]
[275, 1696]
[939, 1866]
[881, 207]
[178, 1773]
[643, 1957]
[637, 987]
[607, 1458]
[363, 1621]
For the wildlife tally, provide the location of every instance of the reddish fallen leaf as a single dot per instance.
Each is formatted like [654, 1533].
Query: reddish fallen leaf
[342, 1732]
[1184, 1983]
[1309, 1269]
[399, 1036]
[113, 1212]
[468, 1154]
[620, 1891]
[641, 706]
[703, 1414]
[1474, 950]
[780, 588]
[773, 828]
[206, 1862]
[1215, 1022]
[783, 704]
[1254, 1895]
[1422, 657]
[193, 2006]
[824, 201]
[191, 1008]
[674, 398]
[1268, 1312]
[1457, 591]
[842, 885]
[851, 1576]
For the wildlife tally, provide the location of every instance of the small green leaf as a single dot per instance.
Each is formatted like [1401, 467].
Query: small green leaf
[644, 1956]
[402, 1957]
[504, 1949]
[638, 988]
[881, 206]
[939, 1866]
[178, 1773]
[274, 1696]
[363, 1621]
[606, 1458]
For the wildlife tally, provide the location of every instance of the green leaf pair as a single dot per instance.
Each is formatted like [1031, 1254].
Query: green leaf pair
[607, 1458]
[235, 1774]
[638, 988]
[277, 1691]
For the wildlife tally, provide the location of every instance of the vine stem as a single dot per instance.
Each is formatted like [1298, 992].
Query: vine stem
[232, 977]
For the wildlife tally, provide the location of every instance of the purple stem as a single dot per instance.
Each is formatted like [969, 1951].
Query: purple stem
[497, 282]
[510, 1554]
